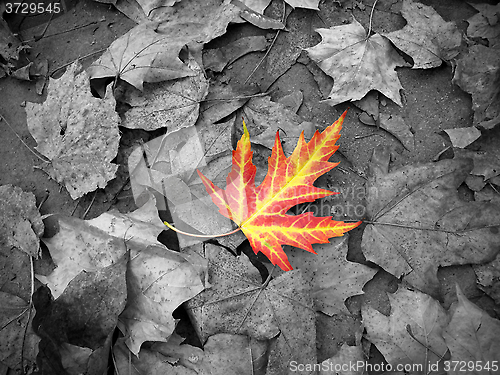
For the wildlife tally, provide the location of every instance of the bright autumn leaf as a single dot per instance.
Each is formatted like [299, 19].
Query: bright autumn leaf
[260, 211]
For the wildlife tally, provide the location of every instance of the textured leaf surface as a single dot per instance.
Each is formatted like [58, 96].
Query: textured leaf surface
[345, 356]
[419, 222]
[77, 132]
[158, 281]
[260, 211]
[142, 55]
[333, 277]
[260, 5]
[20, 221]
[266, 117]
[89, 245]
[356, 63]
[412, 333]
[174, 104]
[485, 23]
[19, 343]
[427, 38]
[478, 73]
[239, 303]
[472, 335]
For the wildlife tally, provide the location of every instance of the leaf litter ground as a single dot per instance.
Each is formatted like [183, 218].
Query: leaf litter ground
[252, 322]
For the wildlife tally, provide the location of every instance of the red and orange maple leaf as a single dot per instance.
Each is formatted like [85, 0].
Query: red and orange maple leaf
[260, 211]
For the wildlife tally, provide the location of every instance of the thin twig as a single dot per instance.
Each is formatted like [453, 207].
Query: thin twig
[17, 135]
[90, 205]
[62, 32]
[38, 37]
[283, 19]
[29, 309]
[429, 229]
[76, 206]
[79, 58]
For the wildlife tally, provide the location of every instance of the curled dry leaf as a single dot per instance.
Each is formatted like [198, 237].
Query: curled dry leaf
[158, 282]
[427, 38]
[357, 63]
[76, 132]
[412, 333]
[142, 55]
[417, 222]
[478, 73]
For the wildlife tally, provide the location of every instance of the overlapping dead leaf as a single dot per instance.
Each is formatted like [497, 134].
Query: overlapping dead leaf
[111, 271]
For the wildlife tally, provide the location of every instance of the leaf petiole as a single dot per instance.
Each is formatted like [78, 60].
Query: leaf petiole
[200, 235]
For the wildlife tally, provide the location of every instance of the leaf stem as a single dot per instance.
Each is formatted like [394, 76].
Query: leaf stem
[371, 19]
[200, 235]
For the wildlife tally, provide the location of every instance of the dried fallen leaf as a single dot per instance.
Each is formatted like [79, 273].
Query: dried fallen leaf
[167, 164]
[412, 333]
[356, 63]
[19, 343]
[20, 227]
[478, 73]
[142, 55]
[395, 125]
[427, 38]
[261, 212]
[485, 23]
[158, 282]
[264, 118]
[333, 277]
[486, 167]
[418, 222]
[173, 104]
[20, 221]
[462, 137]
[217, 59]
[346, 362]
[89, 245]
[76, 132]
[260, 5]
[488, 278]
[76, 329]
[10, 46]
[239, 303]
[473, 338]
